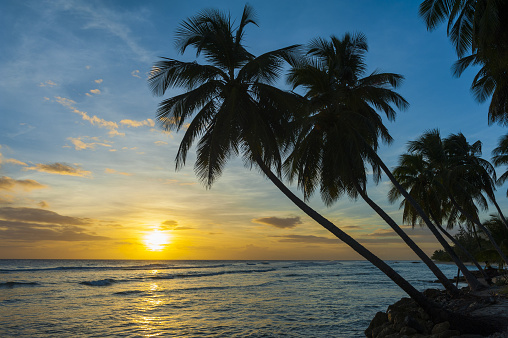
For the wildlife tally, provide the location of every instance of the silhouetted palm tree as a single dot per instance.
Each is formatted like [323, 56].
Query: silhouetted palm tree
[235, 110]
[416, 176]
[456, 178]
[501, 158]
[478, 27]
[230, 102]
[465, 157]
[342, 130]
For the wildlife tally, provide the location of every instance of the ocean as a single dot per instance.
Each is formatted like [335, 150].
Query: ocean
[125, 298]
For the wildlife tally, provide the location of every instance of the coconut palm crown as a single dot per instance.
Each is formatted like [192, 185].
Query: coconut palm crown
[230, 101]
[342, 127]
[478, 28]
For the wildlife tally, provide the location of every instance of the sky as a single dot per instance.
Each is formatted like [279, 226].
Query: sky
[86, 173]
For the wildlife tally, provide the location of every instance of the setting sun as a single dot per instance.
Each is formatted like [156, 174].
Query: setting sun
[156, 240]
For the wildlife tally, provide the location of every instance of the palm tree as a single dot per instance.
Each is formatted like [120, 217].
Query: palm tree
[481, 28]
[501, 158]
[235, 110]
[418, 178]
[456, 178]
[466, 158]
[342, 129]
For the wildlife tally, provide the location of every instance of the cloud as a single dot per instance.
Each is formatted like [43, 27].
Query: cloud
[79, 144]
[98, 81]
[10, 184]
[39, 216]
[35, 232]
[47, 83]
[281, 223]
[113, 171]
[160, 143]
[172, 225]
[14, 161]
[60, 169]
[352, 227]
[43, 204]
[308, 239]
[94, 120]
[135, 73]
[95, 91]
[132, 123]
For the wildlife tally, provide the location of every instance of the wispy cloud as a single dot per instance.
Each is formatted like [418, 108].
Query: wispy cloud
[48, 83]
[308, 239]
[80, 144]
[60, 169]
[10, 184]
[281, 223]
[135, 73]
[39, 216]
[133, 123]
[98, 81]
[36, 232]
[113, 171]
[94, 120]
[14, 161]
[160, 143]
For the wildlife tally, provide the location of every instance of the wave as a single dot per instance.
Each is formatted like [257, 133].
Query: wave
[11, 285]
[218, 273]
[113, 268]
[102, 282]
[129, 292]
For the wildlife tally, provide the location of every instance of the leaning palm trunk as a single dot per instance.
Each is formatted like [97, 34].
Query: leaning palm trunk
[472, 281]
[360, 249]
[452, 289]
[481, 226]
[501, 215]
[464, 250]
[457, 321]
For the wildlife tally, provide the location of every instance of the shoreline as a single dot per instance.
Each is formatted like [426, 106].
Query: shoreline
[405, 318]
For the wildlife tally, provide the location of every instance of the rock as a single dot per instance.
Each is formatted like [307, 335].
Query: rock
[388, 330]
[446, 334]
[414, 324]
[379, 319]
[441, 327]
[377, 330]
[408, 331]
[471, 336]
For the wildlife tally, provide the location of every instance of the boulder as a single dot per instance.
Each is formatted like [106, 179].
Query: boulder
[379, 319]
[441, 327]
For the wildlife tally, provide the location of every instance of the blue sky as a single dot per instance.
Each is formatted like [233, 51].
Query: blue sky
[86, 173]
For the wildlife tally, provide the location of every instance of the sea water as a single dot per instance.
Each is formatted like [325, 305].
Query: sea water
[105, 298]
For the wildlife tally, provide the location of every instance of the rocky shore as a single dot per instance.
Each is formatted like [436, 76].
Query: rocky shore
[406, 319]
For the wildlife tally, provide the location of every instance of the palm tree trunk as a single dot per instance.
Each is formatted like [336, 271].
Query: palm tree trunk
[501, 215]
[432, 266]
[417, 296]
[465, 324]
[481, 226]
[461, 247]
[472, 281]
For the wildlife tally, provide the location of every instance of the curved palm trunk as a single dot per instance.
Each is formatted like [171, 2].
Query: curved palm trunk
[457, 321]
[501, 215]
[364, 252]
[481, 226]
[472, 281]
[432, 266]
[461, 247]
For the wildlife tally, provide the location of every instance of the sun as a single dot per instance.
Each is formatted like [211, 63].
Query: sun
[156, 240]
